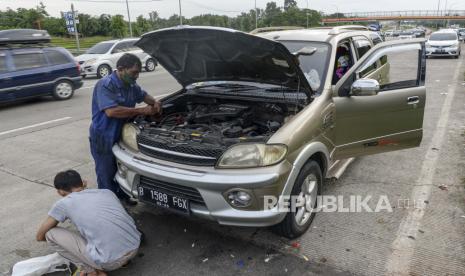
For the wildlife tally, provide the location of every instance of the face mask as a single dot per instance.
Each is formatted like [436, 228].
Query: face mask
[127, 79]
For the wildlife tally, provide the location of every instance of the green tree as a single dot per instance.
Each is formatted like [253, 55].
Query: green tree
[118, 26]
[290, 4]
[104, 25]
[141, 26]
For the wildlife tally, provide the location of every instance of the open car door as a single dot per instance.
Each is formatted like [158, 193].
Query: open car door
[380, 102]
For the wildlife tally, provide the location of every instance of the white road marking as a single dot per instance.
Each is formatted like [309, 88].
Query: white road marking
[35, 125]
[403, 247]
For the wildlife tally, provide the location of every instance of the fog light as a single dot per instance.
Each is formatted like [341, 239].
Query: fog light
[122, 170]
[239, 198]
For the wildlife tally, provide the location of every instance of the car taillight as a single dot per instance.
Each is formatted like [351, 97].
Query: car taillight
[78, 66]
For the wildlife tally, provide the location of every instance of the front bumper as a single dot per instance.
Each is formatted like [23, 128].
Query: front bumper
[435, 52]
[211, 184]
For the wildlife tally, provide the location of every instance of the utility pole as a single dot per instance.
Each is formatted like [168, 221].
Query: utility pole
[129, 18]
[307, 14]
[180, 13]
[256, 15]
[437, 22]
[445, 13]
[75, 28]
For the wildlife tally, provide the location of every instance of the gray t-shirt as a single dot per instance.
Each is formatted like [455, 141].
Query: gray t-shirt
[102, 221]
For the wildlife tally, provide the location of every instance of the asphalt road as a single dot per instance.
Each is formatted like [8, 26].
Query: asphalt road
[40, 137]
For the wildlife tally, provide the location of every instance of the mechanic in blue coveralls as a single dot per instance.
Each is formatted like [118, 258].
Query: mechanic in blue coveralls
[113, 103]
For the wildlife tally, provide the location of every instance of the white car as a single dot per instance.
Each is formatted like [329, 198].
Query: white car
[443, 43]
[100, 60]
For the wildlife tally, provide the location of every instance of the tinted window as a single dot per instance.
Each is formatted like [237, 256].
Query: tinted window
[443, 36]
[24, 61]
[100, 48]
[120, 47]
[56, 58]
[362, 46]
[3, 67]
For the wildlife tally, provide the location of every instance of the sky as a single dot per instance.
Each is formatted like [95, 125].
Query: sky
[166, 8]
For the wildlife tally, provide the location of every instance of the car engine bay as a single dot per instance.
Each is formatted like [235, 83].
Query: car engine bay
[207, 126]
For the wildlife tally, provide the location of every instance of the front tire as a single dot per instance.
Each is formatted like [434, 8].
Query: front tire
[63, 90]
[103, 71]
[308, 185]
[150, 65]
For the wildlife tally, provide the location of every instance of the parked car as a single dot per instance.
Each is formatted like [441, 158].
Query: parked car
[407, 35]
[419, 32]
[443, 43]
[101, 59]
[30, 67]
[254, 121]
[461, 34]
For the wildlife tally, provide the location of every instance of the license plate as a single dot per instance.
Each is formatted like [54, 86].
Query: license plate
[163, 199]
[440, 50]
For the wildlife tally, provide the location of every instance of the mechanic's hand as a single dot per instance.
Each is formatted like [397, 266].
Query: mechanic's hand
[157, 107]
[148, 110]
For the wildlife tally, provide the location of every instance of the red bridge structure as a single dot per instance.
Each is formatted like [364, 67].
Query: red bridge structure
[395, 16]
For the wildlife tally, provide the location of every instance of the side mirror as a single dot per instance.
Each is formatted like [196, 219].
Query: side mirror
[364, 87]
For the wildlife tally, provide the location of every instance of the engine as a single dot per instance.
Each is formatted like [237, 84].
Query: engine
[206, 128]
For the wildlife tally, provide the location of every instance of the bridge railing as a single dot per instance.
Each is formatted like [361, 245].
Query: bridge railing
[401, 13]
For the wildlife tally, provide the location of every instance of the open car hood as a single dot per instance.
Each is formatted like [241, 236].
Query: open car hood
[199, 54]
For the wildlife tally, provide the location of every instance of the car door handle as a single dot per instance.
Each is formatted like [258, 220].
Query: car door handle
[413, 100]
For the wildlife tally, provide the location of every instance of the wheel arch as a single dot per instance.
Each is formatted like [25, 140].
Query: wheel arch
[316, 151]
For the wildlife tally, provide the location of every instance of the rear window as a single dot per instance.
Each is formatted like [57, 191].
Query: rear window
[56, 58]
[443, 36]
[24, 61]
[3, 66]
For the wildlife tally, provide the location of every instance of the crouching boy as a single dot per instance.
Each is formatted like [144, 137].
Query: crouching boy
[107, 237]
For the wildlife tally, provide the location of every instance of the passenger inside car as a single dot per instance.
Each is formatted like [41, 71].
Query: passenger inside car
[344, 62]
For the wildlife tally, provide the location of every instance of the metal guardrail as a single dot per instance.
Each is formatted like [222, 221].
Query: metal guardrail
[407, 13]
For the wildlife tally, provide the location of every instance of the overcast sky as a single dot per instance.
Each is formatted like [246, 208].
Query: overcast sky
[191, 8]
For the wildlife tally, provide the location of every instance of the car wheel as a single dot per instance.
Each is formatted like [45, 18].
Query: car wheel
[103, 71]
[63, 90]
[150, 65]
[307, 187]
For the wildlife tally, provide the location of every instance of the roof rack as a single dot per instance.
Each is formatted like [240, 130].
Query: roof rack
[347, 28]
[24, 36]
[273, 29]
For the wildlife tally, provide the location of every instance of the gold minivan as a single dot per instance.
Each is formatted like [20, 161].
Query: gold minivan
[268, 115]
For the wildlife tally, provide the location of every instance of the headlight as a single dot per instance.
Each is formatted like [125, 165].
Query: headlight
[129, 136]
[90, 61]
[252, 155]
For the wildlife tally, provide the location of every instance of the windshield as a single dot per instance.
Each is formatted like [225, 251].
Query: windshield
[100, 48]
[443, 36]
[313, 66]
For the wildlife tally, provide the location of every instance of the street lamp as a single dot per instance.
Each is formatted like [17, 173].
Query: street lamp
[337, 11]
[180, 13]
[129, 15]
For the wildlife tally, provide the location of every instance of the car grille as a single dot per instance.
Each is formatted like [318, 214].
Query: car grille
[184, 154]
[187, 192]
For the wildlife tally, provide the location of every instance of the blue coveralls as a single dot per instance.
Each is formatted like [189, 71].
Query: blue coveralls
[104, 131]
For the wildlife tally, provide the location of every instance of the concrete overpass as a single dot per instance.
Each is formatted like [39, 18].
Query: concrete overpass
[395, 16]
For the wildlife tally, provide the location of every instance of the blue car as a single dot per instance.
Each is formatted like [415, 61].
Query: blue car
[30, 67]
